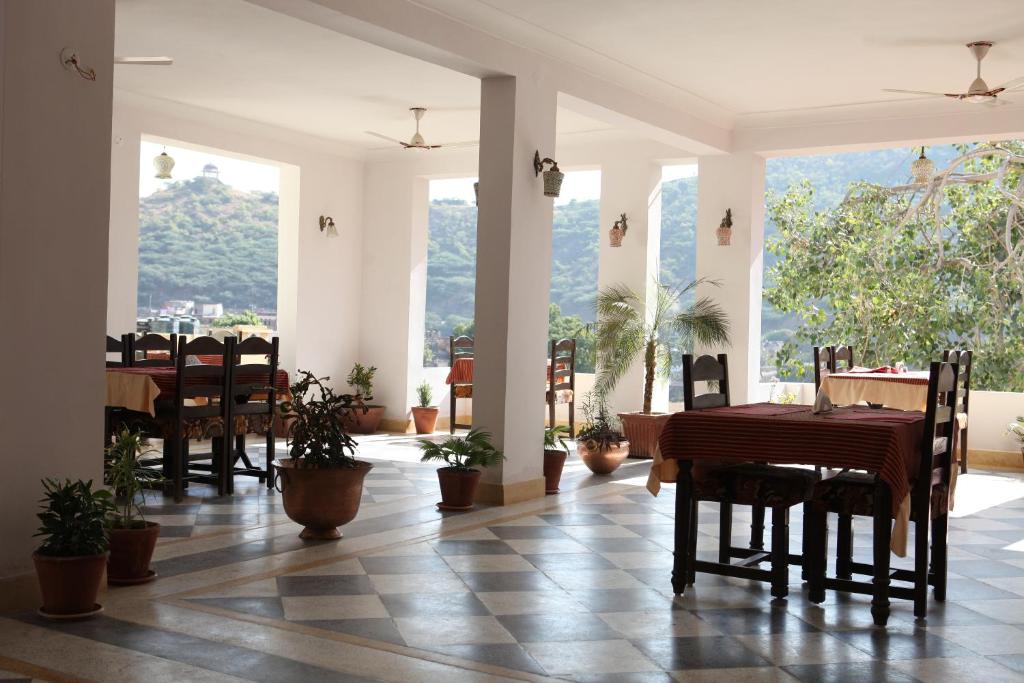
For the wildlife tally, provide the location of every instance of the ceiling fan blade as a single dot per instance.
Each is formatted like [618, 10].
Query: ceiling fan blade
[385, 137]
[462, 144]
[144, 61]
[994, 102]
[1015, 84]
[917, 92]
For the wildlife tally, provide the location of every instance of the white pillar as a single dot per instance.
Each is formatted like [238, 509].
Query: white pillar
[734, 181]
[631, 186]
[513, 281]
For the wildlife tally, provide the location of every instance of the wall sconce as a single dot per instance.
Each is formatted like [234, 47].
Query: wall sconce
[476, 193]
[69, 60]
[327, 226]
[163, 163]
[724, 231]
[618, 231]
[552, 177]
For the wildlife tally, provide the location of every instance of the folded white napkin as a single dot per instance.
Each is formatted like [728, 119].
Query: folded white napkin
[822, 403]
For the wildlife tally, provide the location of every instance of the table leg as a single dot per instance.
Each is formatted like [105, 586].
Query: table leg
[684, 510]
[780, 552]
[815, 551]
[724, 532]
[921, 504]
[881, 542]
[844, 547]
[757, 527]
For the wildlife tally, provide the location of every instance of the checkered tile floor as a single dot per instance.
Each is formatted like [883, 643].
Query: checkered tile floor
[583, 594]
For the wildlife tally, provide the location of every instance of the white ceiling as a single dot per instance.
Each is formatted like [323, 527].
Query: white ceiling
[240, 59]
[746, 57]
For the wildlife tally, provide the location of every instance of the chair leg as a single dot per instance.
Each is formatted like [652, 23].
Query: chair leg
[178, 465]
[804, 570]
[218, 455]
[757, 527]
[691, 573]
[451, 411]
[921, 562]
[844, 547]
[271, 454]
[780, 552]
[572, 419]
[940, 526]
[815, 550]
[963, 450]
[551, 410]
[684, 509]
[724, 532]
[882, 538]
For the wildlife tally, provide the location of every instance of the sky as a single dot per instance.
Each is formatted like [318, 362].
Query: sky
[241, 175]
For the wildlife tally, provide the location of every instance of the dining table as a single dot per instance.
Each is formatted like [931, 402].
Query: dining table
[885, 386]
[140, 389]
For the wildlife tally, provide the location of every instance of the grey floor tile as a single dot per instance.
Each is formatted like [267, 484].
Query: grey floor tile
[563, 561]
[849, 672]
[514, 532]
[507, 655]
[450, 548]
[750, 621]
[374, 629]
[264, 607]
[708, 652]
[344, 584]
[490, 582]
[434, 605]
[531, 628]
[418, 564]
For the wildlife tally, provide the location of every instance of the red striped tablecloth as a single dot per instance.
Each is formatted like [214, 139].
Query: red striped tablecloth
[461, 371]
[140, 388]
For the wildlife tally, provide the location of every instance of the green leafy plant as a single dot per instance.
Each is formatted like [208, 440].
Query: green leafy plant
[599, 428]
[626, 329]
[425, 394]
[127, 476]
[463, 453]
[1016, 430]
[319, 436]
[361, 379]
[247, 317]
[554, 438]
[73, 518]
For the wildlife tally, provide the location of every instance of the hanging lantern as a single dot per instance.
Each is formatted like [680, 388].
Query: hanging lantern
[923, 169]
[163, 163]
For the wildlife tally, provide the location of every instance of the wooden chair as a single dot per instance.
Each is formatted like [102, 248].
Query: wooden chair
[752, 484]
[864, 494]
[459, 348]
[253, 407]
[164, 351]
[122, 348]
[826, 361]
[562, 381]
[963, 360]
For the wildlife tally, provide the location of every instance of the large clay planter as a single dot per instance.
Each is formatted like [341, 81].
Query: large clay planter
[602, 460]
[458, 488]
[425, 418]
[130, 553]
[321, 498]
[356, 421]
[70, 584]
[554, 460]
[642, 430]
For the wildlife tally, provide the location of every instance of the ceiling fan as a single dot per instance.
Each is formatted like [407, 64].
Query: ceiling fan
[144, 61]
[979, 91]
[417, 141]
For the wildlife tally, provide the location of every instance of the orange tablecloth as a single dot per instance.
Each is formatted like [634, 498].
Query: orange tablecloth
[138, 388]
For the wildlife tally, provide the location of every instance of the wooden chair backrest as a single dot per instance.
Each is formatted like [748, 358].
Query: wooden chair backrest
[152, 341]
[826, 361]
[252, 383]
[562, 373]
[206, 382]
[705, 369]
[964, 359]
[939, 422]
[121, 348]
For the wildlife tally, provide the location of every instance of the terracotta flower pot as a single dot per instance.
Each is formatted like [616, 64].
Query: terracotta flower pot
[424, 417]
[130, 553]
[602, 460]
[356, 421]
[458, 488]
[554, 460]
[642, 430]
[69, 584]
[321, 498]
[615, 237]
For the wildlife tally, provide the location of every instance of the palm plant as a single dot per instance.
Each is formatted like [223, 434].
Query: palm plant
[463, 453]
[625, 329]
[554, 438]
[127, 476]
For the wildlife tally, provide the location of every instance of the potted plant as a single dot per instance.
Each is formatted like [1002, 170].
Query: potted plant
[71, 559]
[599, 442]
[364, 418]
[1016, 430]
[459, 479]
[132, 538]
[424, 415]
[321, 481]
[555, 453]
[627, 328]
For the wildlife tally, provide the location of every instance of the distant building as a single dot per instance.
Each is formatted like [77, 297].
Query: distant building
[177, 307]
[211, 310]
[211, 171]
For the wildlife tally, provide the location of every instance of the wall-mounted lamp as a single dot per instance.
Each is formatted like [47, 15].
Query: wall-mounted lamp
[163, 163]
[69, 60]
[327, 226]
[724, 231]
[476, 193]
[618, 231]
[552, 177]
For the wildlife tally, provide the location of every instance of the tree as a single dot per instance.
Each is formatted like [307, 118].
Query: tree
[625, 330]
[247, 317]
[901, 285]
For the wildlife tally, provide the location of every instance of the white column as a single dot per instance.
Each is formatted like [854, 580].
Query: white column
[734, 181]
[631, 186]
[513, 281]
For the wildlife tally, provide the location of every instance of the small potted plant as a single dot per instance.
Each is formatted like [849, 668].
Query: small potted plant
[321, 481]
[1016, 430]
[555, 453]
[628, 330]
[459, 479]
[424, 415]
[70, 561]
[132, 538]
[364, 418]
[600, 442]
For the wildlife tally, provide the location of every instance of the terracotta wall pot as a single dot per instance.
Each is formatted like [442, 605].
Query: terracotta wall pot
[615, 237]
[130, 553]
[69, 584]
[358, 422]
[321, 499]
[458, 488]
[424, 417]
[643, 431]
[554, 460]
[602, 460]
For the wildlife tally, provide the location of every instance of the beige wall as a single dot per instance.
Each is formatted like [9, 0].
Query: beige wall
[54, 203]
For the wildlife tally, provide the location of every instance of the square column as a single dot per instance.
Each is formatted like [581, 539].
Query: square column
[513, 282]
[734, 181]
[632, 186]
